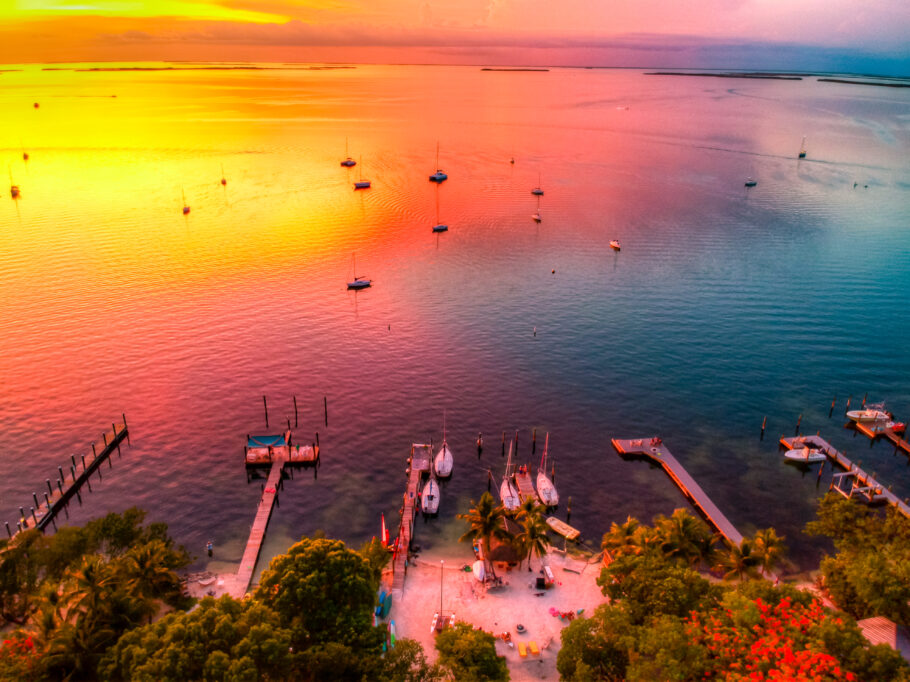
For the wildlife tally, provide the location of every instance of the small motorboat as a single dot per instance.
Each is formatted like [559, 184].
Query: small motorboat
[873, 413]
[615, 245]
[751, 182]
[536, 217]
[805, 454]
[440, 228]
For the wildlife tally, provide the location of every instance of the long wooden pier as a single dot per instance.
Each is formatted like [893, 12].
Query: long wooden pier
[868, 489]
[418, 463]
[875, 430]
[656, 451]
[43, 513]
[244, 575]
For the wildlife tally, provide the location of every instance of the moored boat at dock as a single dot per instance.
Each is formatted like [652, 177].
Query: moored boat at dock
[873, 413]
[546, 491]
[805, 454]
[444, 462]
[507, 492]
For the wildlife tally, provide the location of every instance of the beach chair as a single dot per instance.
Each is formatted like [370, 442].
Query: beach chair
[522, 650]
[532, 646]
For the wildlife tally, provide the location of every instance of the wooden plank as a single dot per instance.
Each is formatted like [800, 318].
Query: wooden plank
[655, 450]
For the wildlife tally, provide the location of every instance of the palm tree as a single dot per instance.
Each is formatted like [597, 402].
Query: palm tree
[684, 537]
[628, 538]
[145, 574]
[533, 537]
[739, 561]
[486, 520]
[770, 548]
[87, 589]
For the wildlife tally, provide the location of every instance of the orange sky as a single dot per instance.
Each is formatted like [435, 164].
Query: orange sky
[624, 32]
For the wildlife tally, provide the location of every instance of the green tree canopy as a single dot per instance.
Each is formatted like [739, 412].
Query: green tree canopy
[470, 655]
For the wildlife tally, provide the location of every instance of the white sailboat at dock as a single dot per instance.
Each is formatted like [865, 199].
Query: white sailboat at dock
[546, 491]
[507, 492]
[444, 462]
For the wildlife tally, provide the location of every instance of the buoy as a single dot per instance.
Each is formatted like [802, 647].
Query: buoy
[553, 271]
[37, 105]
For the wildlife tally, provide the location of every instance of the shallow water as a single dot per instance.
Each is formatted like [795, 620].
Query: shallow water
[725, 304]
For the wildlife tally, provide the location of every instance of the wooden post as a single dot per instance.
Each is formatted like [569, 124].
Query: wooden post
[864, 400]
[59, 486]
[325, 406]
[764, 422]
[73, 472]
[123, 414]
[265, 406]
[34, 516]
[534, 441]
[503, 443]
[35, 498]
[831, 411]
[569, 509]
[94, 454]
[104, 437]
[798, 422]
[295, 411]
[83, 462]
[847, 409]
[47, 501]
[317, 439]
[289, 423]
[49, 489]
[516, 444]
[73, 460]
[60, 470]
[820, 469]
[6, 523]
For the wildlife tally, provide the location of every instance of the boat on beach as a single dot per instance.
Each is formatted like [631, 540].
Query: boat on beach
[546, 491]
[444, 462]
[563, 528]
[507, 492]
[873, 413]
[805, 454]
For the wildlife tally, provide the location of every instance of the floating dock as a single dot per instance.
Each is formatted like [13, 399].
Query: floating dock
[418, 464]
[656, 451]
[69, 482]
[862, 486]
[524, 484]
[875, 430]
[262, 450]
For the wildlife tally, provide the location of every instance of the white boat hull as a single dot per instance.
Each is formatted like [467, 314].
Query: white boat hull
[479, 571]
[509, 495]
[809, 455]
[444, 462]
[868, 415]
[546, 491]
[429, 499]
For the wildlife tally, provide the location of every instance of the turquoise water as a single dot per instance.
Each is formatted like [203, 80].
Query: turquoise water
[724, 306]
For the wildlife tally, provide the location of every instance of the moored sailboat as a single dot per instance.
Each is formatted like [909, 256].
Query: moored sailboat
[507, 492]
[439, 175]
[444, 463]
[359, 282]
[429, 497]
[546, 491]
[348, 162]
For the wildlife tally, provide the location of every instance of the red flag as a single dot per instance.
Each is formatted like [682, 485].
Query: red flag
[385, 533]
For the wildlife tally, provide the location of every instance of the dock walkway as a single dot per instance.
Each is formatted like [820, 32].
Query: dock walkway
[244, 577]
[69, 482]
[876, 430]
[418, 463]
[524, 484]
[656, 451]
[868, 487]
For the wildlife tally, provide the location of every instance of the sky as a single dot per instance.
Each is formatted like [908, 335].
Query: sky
[834, 35]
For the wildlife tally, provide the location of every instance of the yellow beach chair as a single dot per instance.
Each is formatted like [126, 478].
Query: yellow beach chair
[522, 650]
[532, 645]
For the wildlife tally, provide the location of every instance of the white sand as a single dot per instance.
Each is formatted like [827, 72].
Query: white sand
[498, 610]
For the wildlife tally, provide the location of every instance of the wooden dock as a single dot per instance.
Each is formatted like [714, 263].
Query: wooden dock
[70, 481]
[262, 450]
[418, 464]
[524, 484]
[656, 451]
[244, 577]
[863, 486]
[875, 430]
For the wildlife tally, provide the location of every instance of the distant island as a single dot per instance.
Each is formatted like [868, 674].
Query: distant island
[728, 74]
[884, 85]
[488, 68]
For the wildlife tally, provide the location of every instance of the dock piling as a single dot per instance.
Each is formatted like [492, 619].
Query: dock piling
[265, 406]
[295, 411]
[60, 486]
[847, 408]
[325, 407]
[6, 523]
[798, 422]
[83, 462]
[503, 443]
[94, 454]
[289, 423]
[49, 489]
[534, 441]
[34, 516]
[35, 500]
[47, 500]
[73, 460]
[104, 438]
[764, 422]
[317, 439]
[833, 401]
[864, 400]
[60, 471]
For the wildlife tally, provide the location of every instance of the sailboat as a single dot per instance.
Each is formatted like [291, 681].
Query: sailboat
[429, 498]
[537, 191]
[359, 281]
[546, 491]
[444, 462]
[439, 175]
[13, 188]
[751, 182]
[186, 209]
[362, 184]
[348, 162]
[507, 492]
[536, 217]
[802, 148]
[439, 227]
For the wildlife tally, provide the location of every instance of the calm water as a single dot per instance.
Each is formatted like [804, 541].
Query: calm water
[724, 306]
